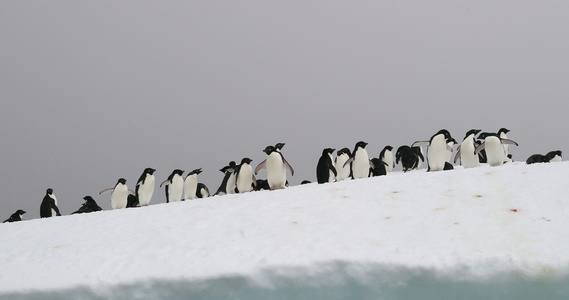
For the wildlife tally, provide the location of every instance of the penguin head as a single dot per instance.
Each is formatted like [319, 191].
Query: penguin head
[388, 148]
[196, 171]
[344, 151]
[552, 154]
[20, 212]
[444, 132]
[88, 199]
[473, 132]
[178, 172]
[328, 151]
[121, 181]
[246, 160]
[49, 191]
[269, 149]
[484, 135]
[361, 144]
[503, 130]
[279, 146]
[149, 171]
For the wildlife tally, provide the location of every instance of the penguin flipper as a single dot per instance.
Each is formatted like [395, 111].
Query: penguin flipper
[457, 155]
[348, 161]
[165, 182]
[371, 164]
[106, 191]
[333, 169]
[449, 148]
[260, 166]
[421, 143]
[509, 142]
[287, 165]
[479, 148]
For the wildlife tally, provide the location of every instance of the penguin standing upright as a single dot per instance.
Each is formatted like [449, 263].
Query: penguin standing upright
[15, 217]
[494, 146]
[174, 186]
[191, 184]
[244, 178]
[450, 143]
[386, 155]
[90, 205]
[342, 172]
[145, 187]
[276, 166]
[325, 170]
[437, 150]
[48, 207]
[119, 195]
[502, 134]
[228, 172]
[466, 150]
[360, 161]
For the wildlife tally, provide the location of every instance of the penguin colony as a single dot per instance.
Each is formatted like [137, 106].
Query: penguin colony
[487, 147]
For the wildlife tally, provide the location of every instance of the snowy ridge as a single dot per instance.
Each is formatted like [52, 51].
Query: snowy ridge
[486, 232]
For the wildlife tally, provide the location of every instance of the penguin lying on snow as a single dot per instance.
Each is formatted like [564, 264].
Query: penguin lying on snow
[90, 205]
[15, 217]
[552, 156]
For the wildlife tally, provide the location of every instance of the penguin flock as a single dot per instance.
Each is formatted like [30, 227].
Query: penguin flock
[476, 148]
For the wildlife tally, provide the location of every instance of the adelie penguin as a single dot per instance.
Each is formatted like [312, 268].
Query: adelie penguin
[552, 156]
[191, 184]
[90, 205]
[408, 157]
[174, 186]
[15, 217]
[228, 183]
[244, 178]
[342, 171]
[378, 167]
[276, 166]
[325, 170]
[48, 207]
[386, 155]
[437, 150]
[494, 146]
[202, 191]
[360, 161]
[466, 149]
[119, 194]
[145, 187]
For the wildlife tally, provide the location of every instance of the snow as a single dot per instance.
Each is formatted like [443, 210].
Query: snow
[480, 233]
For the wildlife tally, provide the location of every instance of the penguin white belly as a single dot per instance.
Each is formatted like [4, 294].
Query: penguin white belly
[53, 213]
[343, 172]
[437, 153]
[494, 151]
[146, 190]
[190, 187]
[175, 189]
[388, 159]
[360, 165]
[419, 159]
[119, 197]
[331, 176]
[505, 146]
[245, 180]
[276, 173]
[230, 186]
[557, 158]
[467, 156]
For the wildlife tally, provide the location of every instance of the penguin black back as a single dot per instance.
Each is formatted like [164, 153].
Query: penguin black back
[325, 166]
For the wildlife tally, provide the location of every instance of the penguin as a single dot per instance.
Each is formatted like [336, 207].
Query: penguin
[228, 172]
[90, 205]
[145, 187]
[325, 170]
[191, 184]
[408, 158]
[360, 161]
[494, 146]
[15, 217]
[554, 156]
[437, 150]
[276, 166]
[502, 134]
[244, 178]
[450, 143]
[342, 172]
[261, 185]
[420, 157]
[202, 191]
[378, 168]
[386, 155]
[482, 154]
[119, 195]
[132, 201]
[537, 158]
[509, 159]
[174, 186]
[48, 207]
[466, 150]
[305, 182]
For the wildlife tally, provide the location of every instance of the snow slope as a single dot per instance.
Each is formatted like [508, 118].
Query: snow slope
[482, 233]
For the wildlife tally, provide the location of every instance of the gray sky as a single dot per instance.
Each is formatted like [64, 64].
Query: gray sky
[93, 91]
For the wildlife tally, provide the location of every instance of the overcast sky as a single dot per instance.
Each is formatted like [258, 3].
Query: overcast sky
[98, 90]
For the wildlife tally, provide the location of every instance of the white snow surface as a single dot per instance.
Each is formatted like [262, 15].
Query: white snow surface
[481, 233]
